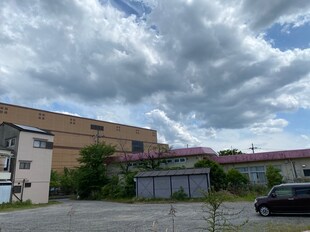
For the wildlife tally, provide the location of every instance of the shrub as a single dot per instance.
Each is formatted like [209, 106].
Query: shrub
[179, 195]
[217, 174]
[68, 182]
[236, 181]
[273, 176]
[113, 189]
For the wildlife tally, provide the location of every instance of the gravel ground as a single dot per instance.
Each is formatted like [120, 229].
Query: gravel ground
[119, 217]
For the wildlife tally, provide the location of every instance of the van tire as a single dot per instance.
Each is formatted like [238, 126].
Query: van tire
[264, 211]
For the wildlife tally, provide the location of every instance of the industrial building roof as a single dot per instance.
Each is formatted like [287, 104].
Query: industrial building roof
[183, 152]
[263, 156]
[178, 172]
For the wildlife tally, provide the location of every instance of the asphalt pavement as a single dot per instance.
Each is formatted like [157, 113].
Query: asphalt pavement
[105, 216]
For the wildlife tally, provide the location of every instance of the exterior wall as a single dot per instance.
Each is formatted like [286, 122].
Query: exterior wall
[72, 133]
[290, 169]
[186, 162]
[40, 168]
[171, 162]
[164, 186]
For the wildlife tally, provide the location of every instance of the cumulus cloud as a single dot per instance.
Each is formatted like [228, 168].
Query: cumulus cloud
[264, 13]
[269, 126]
[193, 66]
[175, 131]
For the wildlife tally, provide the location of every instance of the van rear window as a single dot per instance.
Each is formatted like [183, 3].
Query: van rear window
[302, 191]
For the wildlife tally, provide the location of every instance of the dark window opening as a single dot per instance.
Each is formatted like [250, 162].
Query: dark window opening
[307, 172]
[137, 146]
[96, 127]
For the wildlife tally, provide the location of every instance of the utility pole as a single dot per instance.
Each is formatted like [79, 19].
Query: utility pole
[253, 148]
[97, 129]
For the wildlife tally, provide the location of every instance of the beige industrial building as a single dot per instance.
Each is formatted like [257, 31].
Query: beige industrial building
[73, 133]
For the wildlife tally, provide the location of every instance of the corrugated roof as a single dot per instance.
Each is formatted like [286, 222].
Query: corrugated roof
[183, 152]
[177, 172]
[263, 156]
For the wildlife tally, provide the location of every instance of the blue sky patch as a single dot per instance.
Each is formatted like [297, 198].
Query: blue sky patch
[298, 121]
[286, 37]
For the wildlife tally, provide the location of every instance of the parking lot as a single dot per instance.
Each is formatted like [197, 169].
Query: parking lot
[118, 217]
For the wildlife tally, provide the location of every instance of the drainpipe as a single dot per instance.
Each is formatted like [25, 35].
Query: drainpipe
[294, 169]
[22, 193]
[12, 171]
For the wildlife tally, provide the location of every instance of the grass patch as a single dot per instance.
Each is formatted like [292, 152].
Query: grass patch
[5, 207]
[276, 227]
[226, 196]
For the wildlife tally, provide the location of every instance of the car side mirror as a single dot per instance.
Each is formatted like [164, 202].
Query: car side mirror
[273, 195]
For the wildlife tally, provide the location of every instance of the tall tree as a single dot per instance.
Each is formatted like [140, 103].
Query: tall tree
[91, 175]
[273, 175]
[217, 175]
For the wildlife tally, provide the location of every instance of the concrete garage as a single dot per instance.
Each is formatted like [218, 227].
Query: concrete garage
[162, 184]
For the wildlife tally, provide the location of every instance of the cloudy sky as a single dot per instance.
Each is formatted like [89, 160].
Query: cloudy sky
[222, 74]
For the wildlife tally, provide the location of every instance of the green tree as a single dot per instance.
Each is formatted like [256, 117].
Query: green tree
[55, 179]
[68, 181]
[217, 174]
[152, 158]
[91, 175]
[273, 175]
[130, 184]
[229, 152]
[236, 181]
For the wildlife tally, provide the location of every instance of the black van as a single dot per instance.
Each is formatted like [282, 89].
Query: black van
[285, 198]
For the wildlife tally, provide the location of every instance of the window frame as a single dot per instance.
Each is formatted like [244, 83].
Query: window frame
[41, 143]
[306, 172]
[24, 164]
[137, 146]
[11, 142]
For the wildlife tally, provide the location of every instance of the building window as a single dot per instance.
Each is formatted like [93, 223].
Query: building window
[27, 185]
[6, 164]
[24, 164]
[39, 143]
[137, 146]
[256, 174]
[118, 128]
[180, 160]
[137, 132]
[10, 142]
[306, 172]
